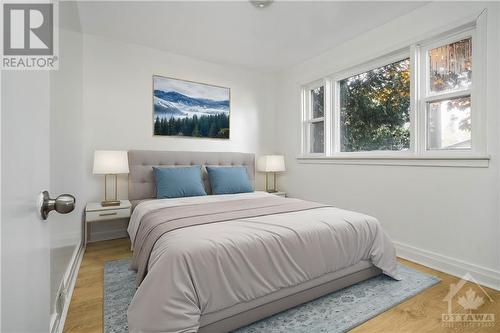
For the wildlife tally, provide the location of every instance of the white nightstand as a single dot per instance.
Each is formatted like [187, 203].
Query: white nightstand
[280, 194]
[95, 212]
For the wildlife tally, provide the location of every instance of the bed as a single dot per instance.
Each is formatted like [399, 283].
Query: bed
[219, 262]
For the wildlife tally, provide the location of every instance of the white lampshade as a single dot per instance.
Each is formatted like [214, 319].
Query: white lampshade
[110, 162]
[271, 163]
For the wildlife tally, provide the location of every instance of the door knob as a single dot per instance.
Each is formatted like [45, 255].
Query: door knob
[63, 204]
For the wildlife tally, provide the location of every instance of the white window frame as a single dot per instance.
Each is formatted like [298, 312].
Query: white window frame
[308, 120]
[417, 154]
[477, 143]
[335, 106]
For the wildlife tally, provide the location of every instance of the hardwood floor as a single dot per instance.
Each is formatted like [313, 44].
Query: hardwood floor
[85, 310]
[421, 313]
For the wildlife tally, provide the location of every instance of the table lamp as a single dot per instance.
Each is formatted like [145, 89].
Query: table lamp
[268, 164]
[110, 163]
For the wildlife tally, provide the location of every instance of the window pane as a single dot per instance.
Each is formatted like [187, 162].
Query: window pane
[449, 124]
[375, 109]
[450, 66]
[318, 137]
[318, 102]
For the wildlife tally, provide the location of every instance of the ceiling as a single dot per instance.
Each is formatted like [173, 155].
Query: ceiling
[237, 33]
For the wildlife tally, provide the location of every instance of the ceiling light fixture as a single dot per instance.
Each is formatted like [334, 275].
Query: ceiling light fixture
[261, 3]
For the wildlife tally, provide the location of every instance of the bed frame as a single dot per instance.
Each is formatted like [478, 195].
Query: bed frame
[141, 187]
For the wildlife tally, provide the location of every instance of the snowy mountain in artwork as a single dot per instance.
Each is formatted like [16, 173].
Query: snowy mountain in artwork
[168, 104]
[184, 108]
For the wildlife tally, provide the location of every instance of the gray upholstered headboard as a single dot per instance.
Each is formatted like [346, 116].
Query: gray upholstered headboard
[141, 162]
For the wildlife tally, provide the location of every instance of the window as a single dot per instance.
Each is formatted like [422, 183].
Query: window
[450, 66]
[418, 102]
[449, 124]
[315, 119]
[375, 109]
[448, 96]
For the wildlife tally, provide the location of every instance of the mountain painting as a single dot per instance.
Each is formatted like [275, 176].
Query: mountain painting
[184, 108]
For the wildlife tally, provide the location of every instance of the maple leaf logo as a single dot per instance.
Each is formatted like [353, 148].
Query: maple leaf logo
[470, 301]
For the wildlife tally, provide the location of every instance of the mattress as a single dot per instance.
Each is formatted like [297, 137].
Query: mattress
[202, 274]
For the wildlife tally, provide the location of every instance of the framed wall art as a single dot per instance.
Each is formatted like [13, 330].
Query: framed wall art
[190, 109]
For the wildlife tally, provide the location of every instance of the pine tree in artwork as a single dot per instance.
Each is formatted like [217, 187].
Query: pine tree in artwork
[211, 126]
[157, 126]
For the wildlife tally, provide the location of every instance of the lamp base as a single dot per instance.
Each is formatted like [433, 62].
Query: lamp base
[274, 188]
[107, 203]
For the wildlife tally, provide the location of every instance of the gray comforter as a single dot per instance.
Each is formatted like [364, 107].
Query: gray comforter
[159, 222]
[191, 266]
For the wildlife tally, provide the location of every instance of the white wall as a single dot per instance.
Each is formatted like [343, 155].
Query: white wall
[117, 104]
[444, 217]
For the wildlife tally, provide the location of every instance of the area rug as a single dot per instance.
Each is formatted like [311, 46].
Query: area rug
[337, 312]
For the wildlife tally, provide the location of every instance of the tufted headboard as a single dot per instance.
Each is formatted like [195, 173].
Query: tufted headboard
[141, 162]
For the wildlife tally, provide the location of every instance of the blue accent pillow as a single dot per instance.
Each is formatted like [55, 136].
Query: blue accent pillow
[178, 182]
[229, 180]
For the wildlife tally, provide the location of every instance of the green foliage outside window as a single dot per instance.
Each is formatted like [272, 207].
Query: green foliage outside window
[375, 109]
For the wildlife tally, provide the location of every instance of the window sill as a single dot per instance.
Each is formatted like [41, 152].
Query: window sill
[480, 161]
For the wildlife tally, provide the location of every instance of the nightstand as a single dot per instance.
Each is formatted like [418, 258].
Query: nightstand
[279, 194]
[95, 212]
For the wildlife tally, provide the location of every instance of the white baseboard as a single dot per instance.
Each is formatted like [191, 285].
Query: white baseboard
[68, 285]
[485, 276]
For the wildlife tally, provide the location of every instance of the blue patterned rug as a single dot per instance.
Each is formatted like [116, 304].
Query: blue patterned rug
[337, 312]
